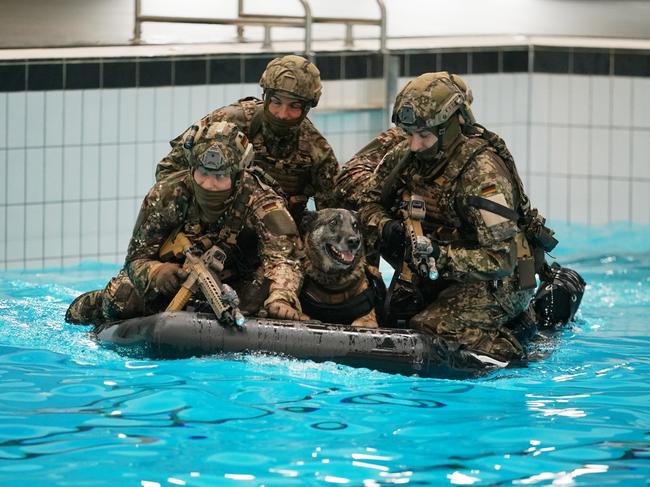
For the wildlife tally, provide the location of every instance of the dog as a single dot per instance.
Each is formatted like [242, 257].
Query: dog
[340, 286]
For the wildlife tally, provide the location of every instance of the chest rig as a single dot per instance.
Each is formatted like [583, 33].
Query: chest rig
[292, 173]
[442, 220]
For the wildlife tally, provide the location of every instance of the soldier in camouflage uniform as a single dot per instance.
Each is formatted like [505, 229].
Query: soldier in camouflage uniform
[467, 189]
[213, 202]
[287, 146]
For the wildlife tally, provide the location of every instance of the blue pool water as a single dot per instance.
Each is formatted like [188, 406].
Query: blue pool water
[74, 413]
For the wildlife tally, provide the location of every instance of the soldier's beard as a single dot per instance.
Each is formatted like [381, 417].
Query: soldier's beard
[212, 204]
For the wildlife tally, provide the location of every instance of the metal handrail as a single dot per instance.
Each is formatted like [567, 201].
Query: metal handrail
[267, 21]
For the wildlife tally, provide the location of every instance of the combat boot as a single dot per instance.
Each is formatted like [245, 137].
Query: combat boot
[86, 309]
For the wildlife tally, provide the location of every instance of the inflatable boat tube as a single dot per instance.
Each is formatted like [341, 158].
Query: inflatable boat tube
[186, 334]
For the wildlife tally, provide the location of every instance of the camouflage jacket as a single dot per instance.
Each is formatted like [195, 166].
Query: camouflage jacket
[355, 174]
[304, 164]
[475, 244]
[170, 206]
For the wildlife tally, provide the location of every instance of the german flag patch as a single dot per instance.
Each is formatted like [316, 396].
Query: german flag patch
[270, 206]
[488, 190]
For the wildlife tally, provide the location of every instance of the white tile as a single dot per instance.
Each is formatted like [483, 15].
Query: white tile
[496, 98]
[16, 176]
[538, 193]
[71, 227]
[622, 97]
[144, 174]
[641, 199]
[162, 120]
[72, 173]
[90, 228]
[34, 232]
[4, 180]
[110, 259]
[53, 218]
[559, 99]
[181, 104]
[579, 107]
[89, 172]
[3, 234]
[108, 228]
[198, 102]
[520, 96]
[126, 215]
[600, 151]
[540, 98]
[641, 102]
[641, 154]
[16, 113]
[477, 85]
[621, 154]
[145, 114]
[109, 116]
[35, 175]
[506, 111]
[599, 202]
[579, 151]
[579, 207]
[54, 118]
[4, 117]
[53, 174]
[35, 119]
[127, 130]
[52, 263]
[559, 150]
[558, 199]
[375, 92]
[216, 98]
[108, 171]
[92, 101]
[539, 148]
[72, 116]
[620, 201]
[16, 237]
[601, 100]
[519, 148]
[126, 170]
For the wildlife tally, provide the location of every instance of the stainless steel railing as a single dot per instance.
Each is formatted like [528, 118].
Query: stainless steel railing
[268, 21]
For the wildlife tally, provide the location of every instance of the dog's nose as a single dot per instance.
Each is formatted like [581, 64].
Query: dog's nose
[353, 242]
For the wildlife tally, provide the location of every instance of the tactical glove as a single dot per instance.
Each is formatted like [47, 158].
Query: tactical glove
[168, 278]
[279, 305]
[393, 241]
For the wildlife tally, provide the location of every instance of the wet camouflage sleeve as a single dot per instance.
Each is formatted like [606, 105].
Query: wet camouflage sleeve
[161, 213]
[279, 247]
[356, 173]
[495, 256]
[323, 172]
[176, 160]
[372, 212]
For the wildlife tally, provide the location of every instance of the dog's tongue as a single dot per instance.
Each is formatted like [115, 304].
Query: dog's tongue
[347, 255]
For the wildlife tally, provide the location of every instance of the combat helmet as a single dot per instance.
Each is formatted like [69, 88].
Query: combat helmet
[429, 102]
[220, 149]
[294, 75]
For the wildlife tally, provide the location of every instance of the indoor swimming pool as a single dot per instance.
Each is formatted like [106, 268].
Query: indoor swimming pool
[75, 413]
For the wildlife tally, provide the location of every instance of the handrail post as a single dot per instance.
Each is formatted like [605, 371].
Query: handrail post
[137, 28]
[240, 28]
[390, 72]
[305, 5]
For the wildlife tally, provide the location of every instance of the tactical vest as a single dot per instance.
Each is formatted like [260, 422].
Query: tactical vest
[442, 219]
[293, 173]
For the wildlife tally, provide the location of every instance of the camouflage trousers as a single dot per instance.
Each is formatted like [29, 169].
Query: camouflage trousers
[119, 300]
[480, 316]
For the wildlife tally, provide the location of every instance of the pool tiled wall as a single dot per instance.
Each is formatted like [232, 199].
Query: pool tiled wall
[79, 139]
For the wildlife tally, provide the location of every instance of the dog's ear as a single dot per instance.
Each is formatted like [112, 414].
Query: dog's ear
[355, 216]
[307, 223]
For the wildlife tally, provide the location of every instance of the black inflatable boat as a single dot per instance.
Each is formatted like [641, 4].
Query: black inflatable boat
[187, 334]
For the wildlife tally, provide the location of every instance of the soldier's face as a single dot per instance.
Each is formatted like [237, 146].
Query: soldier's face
[210, 182]
[285, 107]
[421, 140]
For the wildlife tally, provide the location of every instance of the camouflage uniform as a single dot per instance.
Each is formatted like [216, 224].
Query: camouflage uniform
[295, 154]
[252, 209]
[478, 294]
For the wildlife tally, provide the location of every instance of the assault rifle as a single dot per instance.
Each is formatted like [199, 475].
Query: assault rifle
[419, 248]
[222, 298]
